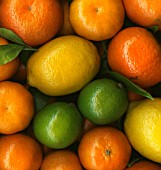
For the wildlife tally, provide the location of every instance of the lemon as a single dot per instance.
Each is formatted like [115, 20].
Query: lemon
[63, 66]
[143, 128]
[103, 101]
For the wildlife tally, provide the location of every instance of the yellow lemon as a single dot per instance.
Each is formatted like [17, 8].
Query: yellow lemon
[63, 66]
[143, 128]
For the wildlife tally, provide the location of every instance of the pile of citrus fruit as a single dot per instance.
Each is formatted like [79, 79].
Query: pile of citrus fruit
[80, 85]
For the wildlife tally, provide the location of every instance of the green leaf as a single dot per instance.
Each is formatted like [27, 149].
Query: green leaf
[132, 162]
[130, 85]
[9, 52]
[69, 1]
[153, 29]
[119, 123]
[135, 157]
[128, 23]
[10, 35]
[155, 90]
[103, 68]
[104, 45]
[40, 99]
[24, 56]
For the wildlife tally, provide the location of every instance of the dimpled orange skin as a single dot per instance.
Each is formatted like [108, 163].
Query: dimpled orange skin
[144, 12]
[144, 165]
[21, 73]
[36, 22]
[9, 69]
[132, 96]
[16, 107]
[135, 54]
[104, 148]
[19, 152]
[61, 160]
[96, 20]
[66, 28]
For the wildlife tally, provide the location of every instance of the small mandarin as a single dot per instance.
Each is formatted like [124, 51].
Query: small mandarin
[36, 22]
[16, 107]
[9, 69]
[21, 74]
[66, 28]
[132, 96]
[103, 148]
[19, 152]
[144, 13]
[135, 53]
[61, 160]
[96, 20]
[144, 165]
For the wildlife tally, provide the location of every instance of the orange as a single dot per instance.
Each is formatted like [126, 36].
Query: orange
[132, 96]
[21, 73]
[3, 41]
[87, 125]
[16, 107]
[9, 69]
[96, 20]
[19, 152]
[144, 165]
[46, 149]
[144, 13]
[103, 148]
[36, 22]
[66, 27]
[61, 160]
[135, 53]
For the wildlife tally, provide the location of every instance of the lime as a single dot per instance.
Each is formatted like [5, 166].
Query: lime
[58, 125]
[103, 101]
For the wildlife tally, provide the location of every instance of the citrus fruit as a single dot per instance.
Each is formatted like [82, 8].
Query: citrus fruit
[142, 127]
[132, 96]
[96, 20]
[87, 126]
[63, 65]
[144, 165]
[144, 13]
[16, 107]
[3, 41]
[46, 150]
[135, 53]
[103, 101]
[21, 74]
[18, 152]
[36, 22]
[58, 125]
[9, 69]
[61, 160]
[103, 148]
[66, 28]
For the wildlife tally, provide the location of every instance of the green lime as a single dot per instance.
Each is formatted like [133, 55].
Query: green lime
[58, 125]
[103, 101]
